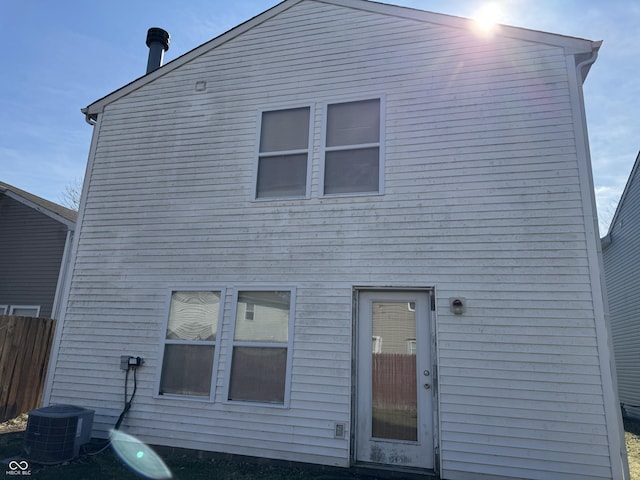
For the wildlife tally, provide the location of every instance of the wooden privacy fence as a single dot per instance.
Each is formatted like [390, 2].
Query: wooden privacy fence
[25, 344]
[394, 409]
[394, 379]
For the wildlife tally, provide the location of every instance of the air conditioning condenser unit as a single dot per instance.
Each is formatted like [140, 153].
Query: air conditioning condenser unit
[54, 434]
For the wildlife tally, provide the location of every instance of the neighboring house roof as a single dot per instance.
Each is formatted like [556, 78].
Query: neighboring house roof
[57, 212]
[606, 240]
[571, 45]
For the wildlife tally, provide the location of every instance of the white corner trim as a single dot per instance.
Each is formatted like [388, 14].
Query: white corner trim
[613, 416]
[65, 288]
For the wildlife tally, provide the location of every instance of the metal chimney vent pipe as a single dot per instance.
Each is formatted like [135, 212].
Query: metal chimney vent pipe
[158, 43]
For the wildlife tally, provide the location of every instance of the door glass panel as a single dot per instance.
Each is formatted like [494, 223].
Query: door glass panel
[394, 393]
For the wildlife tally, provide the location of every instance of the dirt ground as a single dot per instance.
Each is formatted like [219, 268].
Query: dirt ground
[632, 437]
[107, 467]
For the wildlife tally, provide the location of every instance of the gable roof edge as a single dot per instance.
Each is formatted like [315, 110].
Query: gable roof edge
[571, 45]
[52, 210]
[627, 187]
[98, 106]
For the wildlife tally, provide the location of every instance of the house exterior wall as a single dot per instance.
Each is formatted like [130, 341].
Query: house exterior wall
[31, 250]
[621, 271]
[482, 199]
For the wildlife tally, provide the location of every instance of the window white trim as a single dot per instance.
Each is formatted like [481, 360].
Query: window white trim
[250, 312]
[288, 345]
[4, 309]
[376, 344]
[12, 309]
[258, 154]
[164, 341]
[380, 144]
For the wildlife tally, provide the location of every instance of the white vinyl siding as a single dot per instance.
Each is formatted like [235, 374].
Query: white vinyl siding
[482, 199]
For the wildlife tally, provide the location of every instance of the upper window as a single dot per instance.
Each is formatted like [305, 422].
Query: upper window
[261, 347]
[352, 150]
[190, 343]
[283, 153]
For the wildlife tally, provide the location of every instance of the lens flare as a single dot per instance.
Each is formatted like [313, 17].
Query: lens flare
[139, 457]
[488, 17]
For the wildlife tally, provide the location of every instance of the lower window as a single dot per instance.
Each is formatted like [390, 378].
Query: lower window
[258, 374]
[352, 171]
[24, 310]
[261, 344]
[187, 369]
[190, 343]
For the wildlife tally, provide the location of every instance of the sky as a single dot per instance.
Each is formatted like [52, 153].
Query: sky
[59, 57]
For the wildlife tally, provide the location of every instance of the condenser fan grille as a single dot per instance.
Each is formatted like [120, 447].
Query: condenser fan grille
[50, 440]
[54, 434]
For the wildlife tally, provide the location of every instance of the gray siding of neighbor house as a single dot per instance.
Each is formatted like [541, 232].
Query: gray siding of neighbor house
[31, 249]
[485, 197]
[621, 259]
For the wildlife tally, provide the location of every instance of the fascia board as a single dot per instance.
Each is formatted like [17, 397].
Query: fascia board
[571, 45]
[99, 105]
[39, 208]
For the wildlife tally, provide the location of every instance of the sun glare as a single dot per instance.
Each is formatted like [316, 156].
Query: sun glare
[488, 17]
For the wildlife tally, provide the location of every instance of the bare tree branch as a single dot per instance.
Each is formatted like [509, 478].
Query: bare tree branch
[72, 193]
[605, 215]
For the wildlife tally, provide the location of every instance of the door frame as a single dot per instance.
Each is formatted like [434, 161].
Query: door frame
[431, 291]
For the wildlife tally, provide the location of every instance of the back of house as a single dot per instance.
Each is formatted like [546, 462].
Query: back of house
[620, 248]
[349, 233]
[35, 242]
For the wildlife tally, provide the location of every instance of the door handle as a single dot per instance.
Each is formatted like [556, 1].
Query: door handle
[427, 386]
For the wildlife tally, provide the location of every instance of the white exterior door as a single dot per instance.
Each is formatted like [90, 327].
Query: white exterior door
[394, 394]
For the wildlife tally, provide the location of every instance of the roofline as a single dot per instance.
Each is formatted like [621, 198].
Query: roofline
[634, 170]
[572, 45]
[17, 194]
[98, 106]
